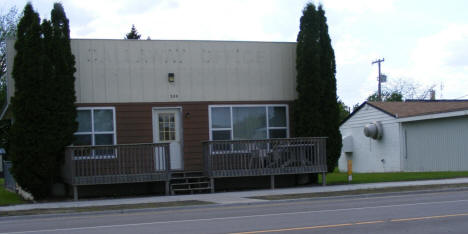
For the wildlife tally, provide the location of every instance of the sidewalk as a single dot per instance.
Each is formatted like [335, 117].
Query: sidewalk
[228, 197]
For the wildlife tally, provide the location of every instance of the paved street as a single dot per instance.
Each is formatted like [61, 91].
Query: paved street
[232, 197]
[438, 212]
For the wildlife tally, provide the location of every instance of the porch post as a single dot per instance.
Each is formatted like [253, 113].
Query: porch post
[324, 178]
[272, 181]
[75, 193]
[212, 184]
[167, 187]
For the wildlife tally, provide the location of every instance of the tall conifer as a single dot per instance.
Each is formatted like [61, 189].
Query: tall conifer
[63, 123]
[43, 104]
[330, 106]
[133, 34]
[316, 108]
[30, 160]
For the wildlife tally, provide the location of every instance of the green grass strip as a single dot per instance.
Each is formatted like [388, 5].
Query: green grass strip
[359, 192]
[361, 178]
[7, 197]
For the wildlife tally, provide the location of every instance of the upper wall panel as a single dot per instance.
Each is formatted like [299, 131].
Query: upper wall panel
[110, 71]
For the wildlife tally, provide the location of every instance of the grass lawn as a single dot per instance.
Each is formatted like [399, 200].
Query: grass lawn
[359, 178]
[7, 197]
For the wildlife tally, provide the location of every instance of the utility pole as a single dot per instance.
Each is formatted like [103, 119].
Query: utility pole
[379, 92]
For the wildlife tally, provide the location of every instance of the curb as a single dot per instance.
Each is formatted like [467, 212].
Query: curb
[254, 201]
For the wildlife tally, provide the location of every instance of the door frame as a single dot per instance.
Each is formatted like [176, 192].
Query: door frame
[181, 129]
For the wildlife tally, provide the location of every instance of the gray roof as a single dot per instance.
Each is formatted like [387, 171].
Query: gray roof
[420, 107]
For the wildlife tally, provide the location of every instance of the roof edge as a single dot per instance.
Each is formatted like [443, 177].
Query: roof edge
[360, 107]
[434, 116]
[183, 40]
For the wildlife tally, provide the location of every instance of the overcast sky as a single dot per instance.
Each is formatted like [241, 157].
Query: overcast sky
[424, 42]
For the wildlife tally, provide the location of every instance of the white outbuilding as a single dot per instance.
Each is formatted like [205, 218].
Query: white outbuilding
[415, 135]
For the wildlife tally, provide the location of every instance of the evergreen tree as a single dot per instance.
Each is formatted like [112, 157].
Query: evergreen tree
[43, 104]
[133, 34]
[62, 102]
[316, 108]
[30, 162]
[343, 109]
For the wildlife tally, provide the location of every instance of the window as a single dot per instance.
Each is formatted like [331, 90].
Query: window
[245, 122]
[96, 126]
[167, 129]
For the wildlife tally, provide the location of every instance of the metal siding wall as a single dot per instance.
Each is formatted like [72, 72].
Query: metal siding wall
[365, 115]
[367, 153]
[437, 145]
[110, 71]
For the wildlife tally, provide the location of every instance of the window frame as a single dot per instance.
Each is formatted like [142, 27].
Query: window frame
[93, 133]
[231, 128]
[174, 129]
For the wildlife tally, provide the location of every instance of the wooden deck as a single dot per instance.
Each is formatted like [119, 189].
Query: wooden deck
[265, 157]
[115, 164]
[133, 163]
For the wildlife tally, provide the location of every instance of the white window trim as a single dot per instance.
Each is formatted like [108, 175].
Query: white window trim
[93, 133]
[211, 129]
[175, 128]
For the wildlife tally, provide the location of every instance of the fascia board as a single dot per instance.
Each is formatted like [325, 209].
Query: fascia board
[434, 116]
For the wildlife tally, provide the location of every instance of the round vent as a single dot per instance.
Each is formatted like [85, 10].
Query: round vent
[374, 130]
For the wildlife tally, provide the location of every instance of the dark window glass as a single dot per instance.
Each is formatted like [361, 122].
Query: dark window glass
[103, 121]
[278, 133]
[83, 118]
[220, 117]
[221, 135]
[104, 139]
[249, 123]
[277, 116]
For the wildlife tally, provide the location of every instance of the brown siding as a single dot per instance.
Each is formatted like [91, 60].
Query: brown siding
[134, 124]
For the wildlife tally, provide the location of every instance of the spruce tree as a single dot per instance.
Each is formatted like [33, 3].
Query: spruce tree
[133, 34]
[317, 109]
[330, 107]
[63, 119]
[28, 150]
[308, 116]
[43, 104]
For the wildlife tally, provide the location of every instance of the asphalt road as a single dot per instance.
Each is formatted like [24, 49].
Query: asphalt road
[437, 212]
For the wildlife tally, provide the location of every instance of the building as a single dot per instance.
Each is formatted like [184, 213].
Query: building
[179, 94]
[406, 136]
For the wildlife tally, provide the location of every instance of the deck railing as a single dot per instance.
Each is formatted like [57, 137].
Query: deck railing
[265, 157]
[108, 164]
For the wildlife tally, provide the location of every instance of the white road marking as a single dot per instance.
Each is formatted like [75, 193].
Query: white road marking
[261, 204]
[233, 217]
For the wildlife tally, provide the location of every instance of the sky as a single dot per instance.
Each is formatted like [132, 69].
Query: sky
[423, 42]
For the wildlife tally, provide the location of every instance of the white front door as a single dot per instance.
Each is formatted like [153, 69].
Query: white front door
[167, 129]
